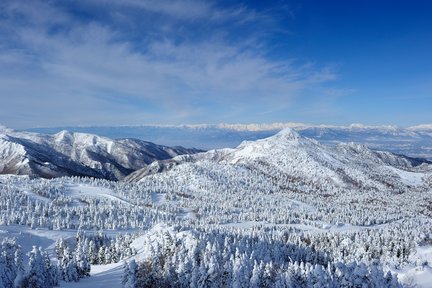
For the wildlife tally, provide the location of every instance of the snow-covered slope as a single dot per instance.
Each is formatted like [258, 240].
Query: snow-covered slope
[68, 154]
[347, 165]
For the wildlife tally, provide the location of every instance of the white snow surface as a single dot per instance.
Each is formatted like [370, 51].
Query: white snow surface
[418, 276]
[410, 178]
[80, 191]
[101, 276]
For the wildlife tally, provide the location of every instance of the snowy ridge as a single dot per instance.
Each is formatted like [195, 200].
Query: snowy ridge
[421, 127]
[67, 154]
[279, 126]
[347, 165]
[304, 126]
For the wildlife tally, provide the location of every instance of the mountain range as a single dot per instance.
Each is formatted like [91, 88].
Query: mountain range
[288, 151]
[77, 154]
[415, 141]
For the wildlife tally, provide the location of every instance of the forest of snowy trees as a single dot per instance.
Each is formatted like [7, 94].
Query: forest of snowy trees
[71, 265]
[200, 249]
[40, 272]
[224, 259]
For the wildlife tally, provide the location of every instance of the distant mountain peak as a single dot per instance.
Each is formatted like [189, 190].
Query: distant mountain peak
[281, 141]
[63, 135]
[353, 145]
[287, 134]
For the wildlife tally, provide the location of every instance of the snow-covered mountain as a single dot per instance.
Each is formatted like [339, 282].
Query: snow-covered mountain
[413, 141]
[285, 211]
[305, 160]
[69, 154]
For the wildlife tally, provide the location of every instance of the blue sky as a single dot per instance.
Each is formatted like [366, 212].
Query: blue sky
[106, 62]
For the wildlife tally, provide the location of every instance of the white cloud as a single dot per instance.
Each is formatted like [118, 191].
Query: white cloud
[89, 69]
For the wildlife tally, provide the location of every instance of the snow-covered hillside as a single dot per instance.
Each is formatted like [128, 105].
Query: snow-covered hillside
[284, 211]
[346, 165]
[69, 154]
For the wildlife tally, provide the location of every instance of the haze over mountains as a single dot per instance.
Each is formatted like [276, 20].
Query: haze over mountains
[415, 141]
[77, 154]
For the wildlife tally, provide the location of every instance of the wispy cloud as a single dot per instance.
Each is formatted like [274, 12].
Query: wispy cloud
[141, 61]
